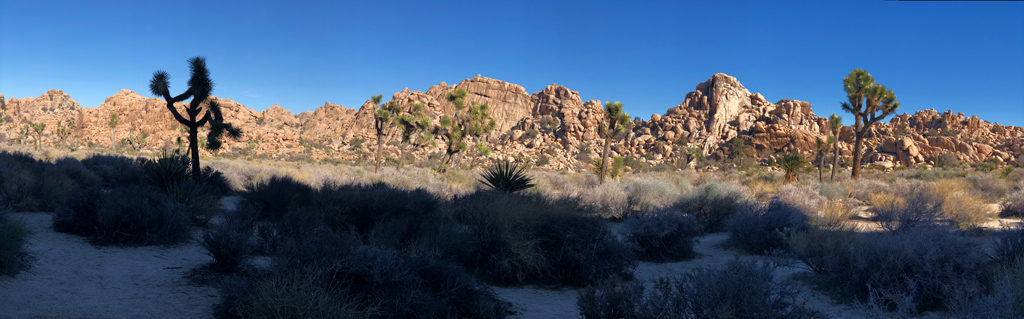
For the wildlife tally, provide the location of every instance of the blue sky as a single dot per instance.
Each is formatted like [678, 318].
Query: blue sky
[964, 56]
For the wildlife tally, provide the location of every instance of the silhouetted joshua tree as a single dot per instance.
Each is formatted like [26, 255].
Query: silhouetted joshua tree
[199, 112]
[616, 123]
[869, 102]
[112, 124]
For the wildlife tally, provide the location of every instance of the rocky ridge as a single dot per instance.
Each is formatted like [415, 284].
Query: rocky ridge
[553, 126]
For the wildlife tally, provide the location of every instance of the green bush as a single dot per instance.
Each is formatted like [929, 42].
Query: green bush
[13, 234]
[518, 239]
[713, 204]
[662, 236]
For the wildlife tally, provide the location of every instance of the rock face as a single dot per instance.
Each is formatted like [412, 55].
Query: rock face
[554, 126]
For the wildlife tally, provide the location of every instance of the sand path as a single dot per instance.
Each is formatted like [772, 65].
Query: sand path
[70, 278]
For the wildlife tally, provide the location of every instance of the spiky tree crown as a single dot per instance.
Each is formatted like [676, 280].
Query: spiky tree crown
[200, 86]
[617, 121]
[868, 100]
[835, 123]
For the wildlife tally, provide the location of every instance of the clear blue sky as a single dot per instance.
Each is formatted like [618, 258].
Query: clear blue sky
[964, 56]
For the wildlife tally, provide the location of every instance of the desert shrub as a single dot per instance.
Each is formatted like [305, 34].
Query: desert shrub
[115, 170]
[1013, 206]
[607, 200]
[990, 186]
[13, 234]
[291, 295]
[124, 215]
[29, 185]
[1009, 244]
[804, 198]
[861, 189]
[918, 269]
[648, 195]
[201, 201]
[738, 290]
[761, 230]
[897, 213]
[229, 243]
[519, 238]
[965, 210]
[835, 215]
[832, 191]
[167, 172]
[611, 299]
[79, 214]
[713, 204]
[1005, 299]
[271, 198]
[366, 281]
[662, 236]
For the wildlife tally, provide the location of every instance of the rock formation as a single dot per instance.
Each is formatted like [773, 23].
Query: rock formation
[555, 124]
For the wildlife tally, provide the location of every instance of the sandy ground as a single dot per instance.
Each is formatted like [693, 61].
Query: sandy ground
[71, 278]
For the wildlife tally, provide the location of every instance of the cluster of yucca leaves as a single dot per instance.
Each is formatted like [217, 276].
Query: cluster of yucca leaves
[507, 177]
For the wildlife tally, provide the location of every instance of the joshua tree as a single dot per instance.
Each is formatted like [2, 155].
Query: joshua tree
[616, 123]
[473, 121]
[112, 123]
[382, 118]
[822, 147]
[64, 130]
[413, 122]
[791, 164]
[482, 150]
[869, 102]
[836, 124]
[38, 129]
[199, 88]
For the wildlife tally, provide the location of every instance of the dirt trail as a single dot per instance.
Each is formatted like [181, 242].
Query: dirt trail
[71, 278]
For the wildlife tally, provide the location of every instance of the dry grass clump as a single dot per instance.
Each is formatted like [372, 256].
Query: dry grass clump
[13, 235]
[965, 210]
[861, 189]
[834, 215]
[648, 195]
[737, 290]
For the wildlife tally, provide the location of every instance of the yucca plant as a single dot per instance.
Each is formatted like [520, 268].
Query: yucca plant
[507, 177]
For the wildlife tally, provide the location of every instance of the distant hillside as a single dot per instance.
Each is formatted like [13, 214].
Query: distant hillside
[553, 125]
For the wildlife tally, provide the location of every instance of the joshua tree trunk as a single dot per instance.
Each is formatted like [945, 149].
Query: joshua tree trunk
[193, 147]
[112, 146]
[380, 147]
[835, 159]
[858, 142]
[821, 166]
[604, 158]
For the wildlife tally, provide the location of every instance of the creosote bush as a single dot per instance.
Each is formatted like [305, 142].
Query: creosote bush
[918, 269]
[713, 204]
[1013, 206]
[662, 236]
[762, 230]
[738, 290]
[322, 273]
[13, 235]
[519, 238]
[125, 216]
